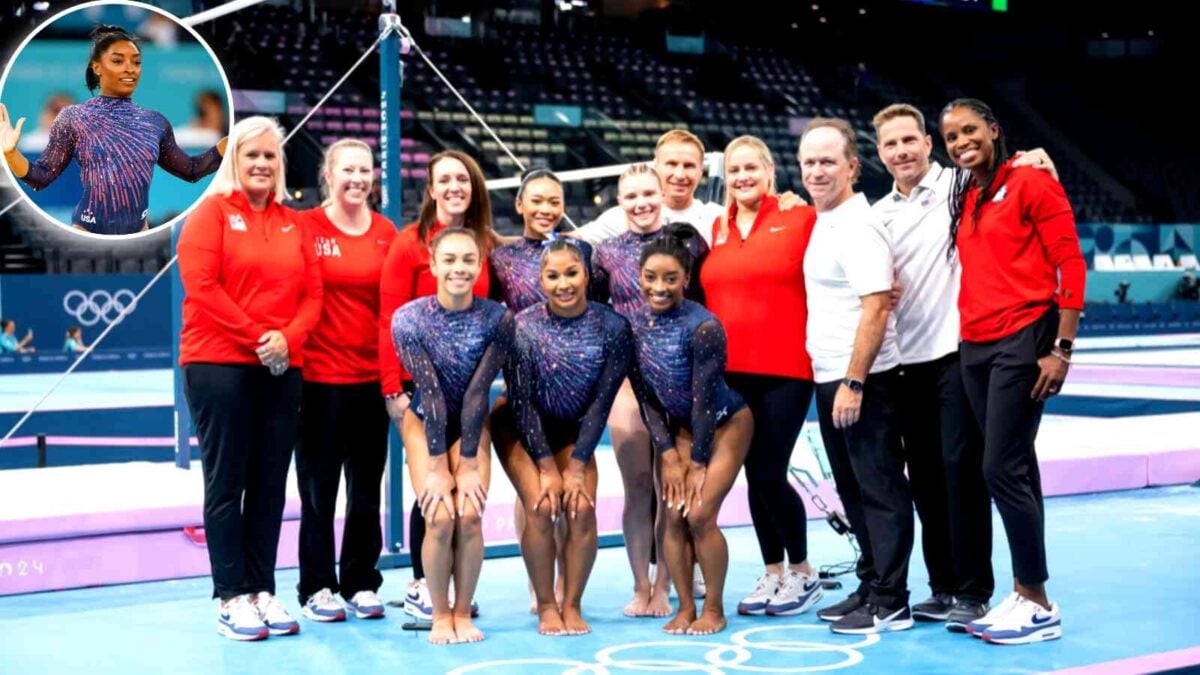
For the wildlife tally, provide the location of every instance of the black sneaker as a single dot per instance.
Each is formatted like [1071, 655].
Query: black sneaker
[870, 619]
[836, 612]
[963, 613]
[936, 608]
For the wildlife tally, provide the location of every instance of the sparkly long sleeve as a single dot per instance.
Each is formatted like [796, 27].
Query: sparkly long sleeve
[522, 385]
[708, 366]
[57, 155]
[178, 163]
[652, 411]
[433, 399]
[475, 400]
[617, 360]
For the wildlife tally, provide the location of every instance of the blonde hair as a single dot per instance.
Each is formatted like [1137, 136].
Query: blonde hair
[679, 136]
[847, 132]
[764, 153]
[898, 110]
[639, 169]
[226, 180]
[331, 155]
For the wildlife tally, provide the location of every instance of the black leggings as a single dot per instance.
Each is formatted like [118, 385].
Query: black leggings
[779, 406]
[343, 427]
[998, 378]
[246, 420]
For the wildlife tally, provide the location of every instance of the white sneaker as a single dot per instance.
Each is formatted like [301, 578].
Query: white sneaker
[764, 590]
[278, 621]
[796, 593]
[366, 605]
[322, 607]
[1028, 622]
[237, 619]
[997, 614]
[699, 588]
[417, 602]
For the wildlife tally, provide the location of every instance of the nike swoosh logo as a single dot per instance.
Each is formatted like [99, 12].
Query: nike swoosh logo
[777, 229]
[1039, 620]
[287, 229]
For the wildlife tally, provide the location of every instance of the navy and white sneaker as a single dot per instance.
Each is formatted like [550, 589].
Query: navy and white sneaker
[996, 615]
[321, 606]
[796, 594]
[278, 621]
[419, 605]
[1028, 622]
[366, 605]
[417, 602]
[764, 590]
[237, 619]
[870, 619]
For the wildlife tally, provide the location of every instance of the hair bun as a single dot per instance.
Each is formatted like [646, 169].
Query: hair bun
[102, 29]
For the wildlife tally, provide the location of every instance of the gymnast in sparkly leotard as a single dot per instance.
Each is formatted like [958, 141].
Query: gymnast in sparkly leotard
[570, 357]
[116, 142]
[700, 428]
[516, 267]
[454, 345]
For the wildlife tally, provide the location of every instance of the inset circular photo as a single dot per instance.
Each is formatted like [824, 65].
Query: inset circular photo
[113, 118]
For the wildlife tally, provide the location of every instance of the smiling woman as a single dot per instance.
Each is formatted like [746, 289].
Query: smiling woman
[115, 142]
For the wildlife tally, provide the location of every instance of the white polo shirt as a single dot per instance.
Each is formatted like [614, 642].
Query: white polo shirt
[612, 222]
[927, 314]
[849, 256]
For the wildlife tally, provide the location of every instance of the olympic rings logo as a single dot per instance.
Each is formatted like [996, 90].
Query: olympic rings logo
[100, 305]
[718, 657]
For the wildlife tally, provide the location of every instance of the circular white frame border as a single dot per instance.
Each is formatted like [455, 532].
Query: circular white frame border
[159, 229]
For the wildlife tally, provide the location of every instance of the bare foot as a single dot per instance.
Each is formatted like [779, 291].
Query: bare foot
[707, 624]
[550, 622]
[466, 630]
[679, 625]
[442, 632]
[637, 606]
[659, 605]
[573, 619]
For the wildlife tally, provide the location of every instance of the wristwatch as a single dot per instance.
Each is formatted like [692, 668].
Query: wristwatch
[1064, 345]
[853, 385]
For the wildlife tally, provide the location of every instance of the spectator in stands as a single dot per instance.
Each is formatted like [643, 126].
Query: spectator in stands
[115, 168]
[1021, 294]
[679, 161]
[343, 420]
[942, 443]
[209, 122]
[9, 344]
[36, 140]
[74, 340]
[455, 196]
[851, 337]
[252, 286]
[753, 276]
